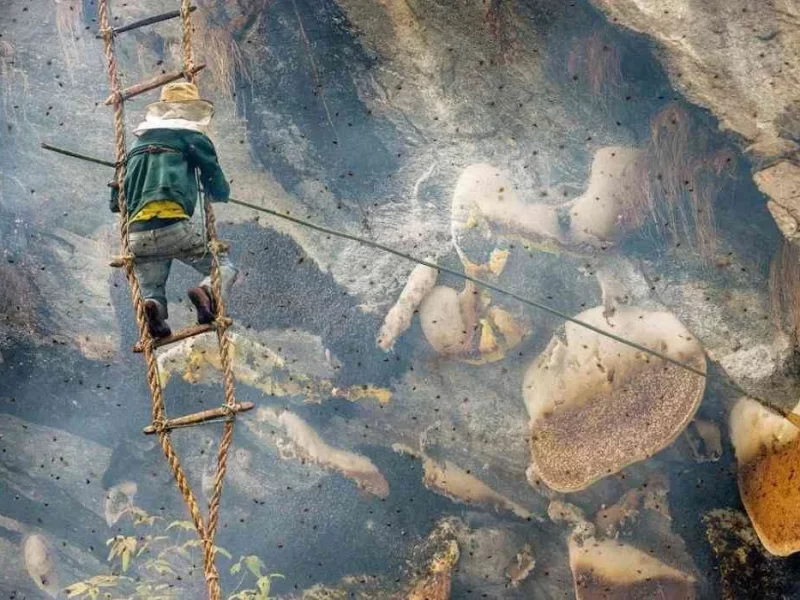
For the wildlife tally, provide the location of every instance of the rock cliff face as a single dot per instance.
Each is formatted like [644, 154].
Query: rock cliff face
[627, 163]
[741, 60]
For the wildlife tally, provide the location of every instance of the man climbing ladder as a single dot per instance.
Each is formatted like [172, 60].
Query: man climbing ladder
[161, 192]
[166, 204]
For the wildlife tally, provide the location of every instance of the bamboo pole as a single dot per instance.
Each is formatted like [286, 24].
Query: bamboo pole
[200, 417]
[98, 161]
[149, 84]
[148, 21]
[790, 416]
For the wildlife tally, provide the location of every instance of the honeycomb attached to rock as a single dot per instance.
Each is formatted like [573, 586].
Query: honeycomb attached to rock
[597, 405]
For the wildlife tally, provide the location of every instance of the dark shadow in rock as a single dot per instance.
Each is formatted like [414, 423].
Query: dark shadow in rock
[601, 71]
[742, 569]
[310, 86]
[58, 387]
[695, 488]
[284, 289]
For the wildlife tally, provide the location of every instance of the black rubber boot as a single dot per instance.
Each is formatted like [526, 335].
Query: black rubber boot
[155, 319]
[204, 304]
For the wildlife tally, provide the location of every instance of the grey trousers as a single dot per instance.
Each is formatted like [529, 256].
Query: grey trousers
[157, 248]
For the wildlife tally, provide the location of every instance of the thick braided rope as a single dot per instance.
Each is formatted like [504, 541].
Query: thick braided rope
[224, 342]
[186, 41]
[226, 352]
[158, 411]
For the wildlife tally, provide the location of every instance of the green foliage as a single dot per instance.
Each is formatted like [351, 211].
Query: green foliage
[253, 564]
[92, 588]
[123, 547]
[197, 543]
[263, 582]
[181, 525]
[140, 517]
[155, 566]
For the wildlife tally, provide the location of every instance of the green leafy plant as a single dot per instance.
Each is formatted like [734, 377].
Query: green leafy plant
[156, 563]
[122, 546]
[255, 566]
[93, 587]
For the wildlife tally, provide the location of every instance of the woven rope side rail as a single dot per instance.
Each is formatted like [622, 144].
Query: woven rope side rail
[223, 339]
[186, 41]
[226, 360]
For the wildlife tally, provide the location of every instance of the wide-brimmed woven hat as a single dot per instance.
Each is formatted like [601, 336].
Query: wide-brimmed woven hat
[181, 99]
[180, 91]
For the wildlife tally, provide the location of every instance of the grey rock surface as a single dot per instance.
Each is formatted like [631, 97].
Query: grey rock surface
[364, 117]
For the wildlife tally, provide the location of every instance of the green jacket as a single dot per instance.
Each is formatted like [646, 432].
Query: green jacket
[164, 164]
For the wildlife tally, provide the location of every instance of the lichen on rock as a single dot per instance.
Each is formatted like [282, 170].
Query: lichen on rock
[39, 562]
[303, 443]
[614, 570]
[629, 550]
[781, 182]
[437, 583]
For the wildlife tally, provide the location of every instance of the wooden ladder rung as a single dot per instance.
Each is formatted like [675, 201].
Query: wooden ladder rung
[150, 84]
[117, 261]
[179, 335]
[173, 14]
[201, 417]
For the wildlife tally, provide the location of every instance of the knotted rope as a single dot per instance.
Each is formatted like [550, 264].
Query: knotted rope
[186, 40]
[224, 342]
[206, 532]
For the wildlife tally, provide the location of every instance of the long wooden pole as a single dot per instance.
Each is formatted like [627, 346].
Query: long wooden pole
[97, 161]
[792, 417]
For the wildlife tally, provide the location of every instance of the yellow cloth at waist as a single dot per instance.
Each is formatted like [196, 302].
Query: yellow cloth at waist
[160, 209]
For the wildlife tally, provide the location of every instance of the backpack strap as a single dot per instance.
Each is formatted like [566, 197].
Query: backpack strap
[151, 149]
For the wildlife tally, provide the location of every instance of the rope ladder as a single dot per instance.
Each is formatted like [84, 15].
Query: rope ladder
[160, 425]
